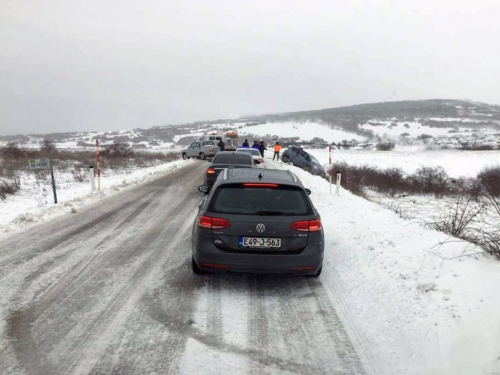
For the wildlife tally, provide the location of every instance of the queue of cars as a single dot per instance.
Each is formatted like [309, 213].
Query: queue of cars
[255, 220]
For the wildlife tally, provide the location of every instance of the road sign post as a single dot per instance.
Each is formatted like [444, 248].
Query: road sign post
[44, 163]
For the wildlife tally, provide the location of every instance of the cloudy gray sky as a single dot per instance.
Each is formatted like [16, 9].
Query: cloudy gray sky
[100, 65]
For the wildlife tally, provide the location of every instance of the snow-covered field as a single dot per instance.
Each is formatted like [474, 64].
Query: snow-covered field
[35, 203]
[456, 162]
[305, 131]
[415, 311]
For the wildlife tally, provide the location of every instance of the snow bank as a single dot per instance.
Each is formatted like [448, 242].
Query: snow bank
[410, 307]
[34, 204]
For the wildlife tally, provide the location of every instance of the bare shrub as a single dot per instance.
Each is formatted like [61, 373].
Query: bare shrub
[386, 146]
[490, 181]
[432, 180]
[7, 188]
[479, 147]
[47, 145]
[462, 215]
[79, 175]
[118, 150]
[41, 200]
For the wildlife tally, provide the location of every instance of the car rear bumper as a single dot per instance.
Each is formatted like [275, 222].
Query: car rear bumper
[211, 259]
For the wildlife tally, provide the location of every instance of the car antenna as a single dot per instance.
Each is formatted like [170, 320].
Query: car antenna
[260, 176]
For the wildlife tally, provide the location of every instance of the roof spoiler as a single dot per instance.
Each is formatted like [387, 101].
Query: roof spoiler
[292, 174]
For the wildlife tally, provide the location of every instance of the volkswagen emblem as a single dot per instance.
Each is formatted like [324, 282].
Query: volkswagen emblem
[261, 228]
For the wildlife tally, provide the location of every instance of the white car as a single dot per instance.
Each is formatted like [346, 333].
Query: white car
[256, 156]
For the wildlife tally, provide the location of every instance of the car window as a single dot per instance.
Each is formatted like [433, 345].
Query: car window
[208, 143]
[244, 200]
[236, 158]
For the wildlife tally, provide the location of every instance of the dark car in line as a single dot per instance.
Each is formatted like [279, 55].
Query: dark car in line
[257, 221]
[299, 158]
[226, 159]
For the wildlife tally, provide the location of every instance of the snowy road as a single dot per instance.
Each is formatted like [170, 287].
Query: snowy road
[109, 290]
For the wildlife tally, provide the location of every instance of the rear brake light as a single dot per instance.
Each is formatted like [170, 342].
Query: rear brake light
[205, 222]
[261, 185]
[261, 160]
[211, 171]
[307, 225]
[213, 222]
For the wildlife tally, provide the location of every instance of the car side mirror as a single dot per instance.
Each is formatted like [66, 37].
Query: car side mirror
[308, 191]
[204, 189]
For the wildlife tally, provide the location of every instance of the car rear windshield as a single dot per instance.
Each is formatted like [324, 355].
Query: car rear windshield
[266, 201]
[233, 158]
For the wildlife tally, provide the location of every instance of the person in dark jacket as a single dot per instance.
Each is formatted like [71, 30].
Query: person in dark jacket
[245, 144]
[221, 145]
[262, 147]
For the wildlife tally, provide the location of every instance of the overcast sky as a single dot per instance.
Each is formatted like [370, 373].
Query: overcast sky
[104, 65]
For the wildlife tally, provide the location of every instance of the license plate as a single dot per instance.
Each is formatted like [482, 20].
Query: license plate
[263, 243]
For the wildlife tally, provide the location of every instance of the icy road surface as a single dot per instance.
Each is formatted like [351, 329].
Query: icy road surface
[109, 290]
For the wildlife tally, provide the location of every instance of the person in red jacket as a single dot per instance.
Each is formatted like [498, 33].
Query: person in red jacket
[277, 150]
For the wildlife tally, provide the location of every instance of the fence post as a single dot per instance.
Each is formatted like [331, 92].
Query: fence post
[92, 177]
[337, 188]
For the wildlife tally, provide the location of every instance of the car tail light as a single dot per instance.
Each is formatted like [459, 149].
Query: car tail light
[213, 222]
[220, 223]
[211, 171]
[261, 160]
[309, 268]
[307, 225]
[210, 149]
[261, 185]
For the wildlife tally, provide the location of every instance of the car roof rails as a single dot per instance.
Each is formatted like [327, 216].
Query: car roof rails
[225, 174]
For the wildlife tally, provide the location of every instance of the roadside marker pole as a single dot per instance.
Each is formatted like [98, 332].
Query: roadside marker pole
[337, 188]
[98, 167]
[92, 178]
[53, 183]
[330, 162]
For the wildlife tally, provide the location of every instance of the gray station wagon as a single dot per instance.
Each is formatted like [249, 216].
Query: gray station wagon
[200, 149]
[257, 221]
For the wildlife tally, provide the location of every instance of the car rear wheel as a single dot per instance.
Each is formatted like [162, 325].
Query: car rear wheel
[202, 156]
[196, 270]
[184, 156]
[285, 159]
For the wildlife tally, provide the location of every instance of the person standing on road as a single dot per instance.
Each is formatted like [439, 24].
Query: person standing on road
[262, 147]
[221, 145]
[277, 150]
[245, 144]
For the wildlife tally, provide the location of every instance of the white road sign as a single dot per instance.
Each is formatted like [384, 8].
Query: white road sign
[41, 163]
